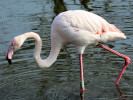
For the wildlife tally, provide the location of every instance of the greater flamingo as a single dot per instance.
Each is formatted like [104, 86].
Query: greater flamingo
[78, 27]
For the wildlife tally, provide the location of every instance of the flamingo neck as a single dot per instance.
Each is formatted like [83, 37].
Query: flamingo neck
[55, 48]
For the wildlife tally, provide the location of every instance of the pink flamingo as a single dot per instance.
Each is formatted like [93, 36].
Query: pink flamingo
[78, 27]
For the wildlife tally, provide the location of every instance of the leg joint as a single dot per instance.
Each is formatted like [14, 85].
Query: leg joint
[127, 60]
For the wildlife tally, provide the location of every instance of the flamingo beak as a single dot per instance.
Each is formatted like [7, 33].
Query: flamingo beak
[9, 60]
[9, 54]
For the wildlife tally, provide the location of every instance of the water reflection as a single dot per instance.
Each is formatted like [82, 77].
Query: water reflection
[123, 97]
[59, 6]
[85, 4]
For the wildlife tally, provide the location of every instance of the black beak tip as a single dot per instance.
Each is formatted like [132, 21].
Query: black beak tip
[9, 60]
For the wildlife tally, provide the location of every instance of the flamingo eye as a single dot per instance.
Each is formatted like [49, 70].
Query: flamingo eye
[13, 43]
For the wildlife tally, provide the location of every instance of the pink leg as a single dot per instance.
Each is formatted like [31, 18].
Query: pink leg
[82, 88]
[127, 59]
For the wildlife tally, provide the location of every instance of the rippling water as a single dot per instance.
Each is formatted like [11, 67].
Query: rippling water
[23, 80]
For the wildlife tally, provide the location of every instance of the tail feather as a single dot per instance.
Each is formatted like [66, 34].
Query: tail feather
[112, 28]
[111, 36]
[110, 32]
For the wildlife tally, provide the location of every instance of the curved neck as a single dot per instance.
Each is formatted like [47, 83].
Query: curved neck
[55, 49]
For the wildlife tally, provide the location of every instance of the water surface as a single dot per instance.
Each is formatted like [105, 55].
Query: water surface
[23, 80]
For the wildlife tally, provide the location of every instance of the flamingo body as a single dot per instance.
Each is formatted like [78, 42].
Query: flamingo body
[83, 28]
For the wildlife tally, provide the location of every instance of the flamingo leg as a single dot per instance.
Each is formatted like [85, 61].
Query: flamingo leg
[82, 87]
[127, 60]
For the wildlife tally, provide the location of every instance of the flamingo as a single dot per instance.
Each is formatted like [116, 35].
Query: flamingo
[78, 27]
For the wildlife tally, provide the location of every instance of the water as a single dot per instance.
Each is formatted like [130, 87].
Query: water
[23, 80]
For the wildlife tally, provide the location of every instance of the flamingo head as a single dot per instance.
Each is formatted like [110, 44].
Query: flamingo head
[14, 46]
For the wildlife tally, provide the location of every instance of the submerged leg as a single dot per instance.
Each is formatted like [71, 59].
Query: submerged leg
[127, 59]
[82, 87]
